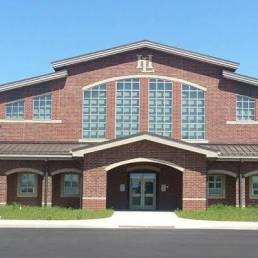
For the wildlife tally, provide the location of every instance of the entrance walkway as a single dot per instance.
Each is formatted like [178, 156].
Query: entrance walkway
[132, 219]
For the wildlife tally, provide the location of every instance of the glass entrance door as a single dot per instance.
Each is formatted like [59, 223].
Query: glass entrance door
[142, 191]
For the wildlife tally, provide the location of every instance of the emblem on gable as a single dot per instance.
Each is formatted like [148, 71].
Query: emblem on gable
[144, 63]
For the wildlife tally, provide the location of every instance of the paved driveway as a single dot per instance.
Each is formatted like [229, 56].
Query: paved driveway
[127, 243]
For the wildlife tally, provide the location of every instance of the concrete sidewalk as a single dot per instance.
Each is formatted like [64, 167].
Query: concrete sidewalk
[132, 219]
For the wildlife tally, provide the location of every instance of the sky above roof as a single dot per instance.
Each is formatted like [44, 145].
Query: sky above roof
[34, 33]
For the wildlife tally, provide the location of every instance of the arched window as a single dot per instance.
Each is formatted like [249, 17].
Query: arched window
[94, 112]
[160, 107]
[193, 113]
[127, 107]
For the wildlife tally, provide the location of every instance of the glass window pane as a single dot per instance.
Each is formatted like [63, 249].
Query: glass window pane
[42, 106]
[127, 107]
[160, 107]
[14, 110]
[245, 108]
[193, 113]
[94, 115]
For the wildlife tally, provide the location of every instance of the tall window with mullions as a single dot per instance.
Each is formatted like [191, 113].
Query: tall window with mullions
[127, 107]
[94, 112]
[160, 107]
[193, 113]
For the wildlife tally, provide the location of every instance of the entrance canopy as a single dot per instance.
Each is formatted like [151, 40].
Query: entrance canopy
[80, 152]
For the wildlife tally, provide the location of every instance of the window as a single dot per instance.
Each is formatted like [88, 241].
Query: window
[27, 184]
[14, 110]
[71, 184]
[245, 108]
[160, 107]
[193, 113]
[254, 186]
[94, 112]
[42, 107]
[216, 186]
[127, 107]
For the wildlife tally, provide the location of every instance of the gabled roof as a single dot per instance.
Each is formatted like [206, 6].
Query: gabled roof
[240, 78]
[80, 152]
[33, 80]
[145, 44]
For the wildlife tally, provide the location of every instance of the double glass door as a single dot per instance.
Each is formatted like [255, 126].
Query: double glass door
[142, 191]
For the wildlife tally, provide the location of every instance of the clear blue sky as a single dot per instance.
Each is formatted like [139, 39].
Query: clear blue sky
[34, 33]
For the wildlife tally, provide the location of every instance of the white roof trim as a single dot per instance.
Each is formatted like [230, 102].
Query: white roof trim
[136, 160]
[240, 78]
[145, 44]
[150, 76]
[221, 172]
[119, 142]
[33, 80]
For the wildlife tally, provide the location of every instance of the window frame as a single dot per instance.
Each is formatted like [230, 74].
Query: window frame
[223, 189]
[248, 108]
[13, 102]
[204, 115]
[95, 139]
[19, 185]
[164, 98]
[251, 189]
[33, 107]
[139, 106]
[70, 195]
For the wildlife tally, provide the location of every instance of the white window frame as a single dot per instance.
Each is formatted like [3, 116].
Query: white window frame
[163, 98]
[139, 106]
[63, 193]
[13, 102]
[248, 108]
[19, 185]
[251, 188]
[51, 113]
[220, 195]
[96, 139]
[204, 107]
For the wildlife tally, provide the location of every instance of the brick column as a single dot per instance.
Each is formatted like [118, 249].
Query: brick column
[176, 104]
[194, 183]
[144, 96]
[94, 188]
[47, 190]
[242, 191]
[3, 190]
[237, 192]
[111, 109]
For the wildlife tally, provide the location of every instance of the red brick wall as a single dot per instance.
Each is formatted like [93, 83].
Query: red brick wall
[194, 176]
[58, 199]
[230, 193]
[169, 200]
[12, 192]
[67, 99]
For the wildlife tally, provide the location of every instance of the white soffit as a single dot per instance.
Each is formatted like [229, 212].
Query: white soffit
[240, 78]
[145, 44]
[34, 80]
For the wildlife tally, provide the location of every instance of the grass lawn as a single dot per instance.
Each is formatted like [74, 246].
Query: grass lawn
[221, 212]
[54, 213]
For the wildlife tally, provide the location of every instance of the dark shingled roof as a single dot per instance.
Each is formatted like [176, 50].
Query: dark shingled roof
[234, 150]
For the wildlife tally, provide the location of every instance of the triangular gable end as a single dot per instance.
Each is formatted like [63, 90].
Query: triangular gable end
[153, 138]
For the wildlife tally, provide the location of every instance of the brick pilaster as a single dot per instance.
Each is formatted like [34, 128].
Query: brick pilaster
[176, 104]
[3, 189]
[144, 96]
[111, 109]
[237, 192]
[94, 188]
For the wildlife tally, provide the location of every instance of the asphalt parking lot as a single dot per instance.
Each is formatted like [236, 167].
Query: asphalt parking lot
[125, 243]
